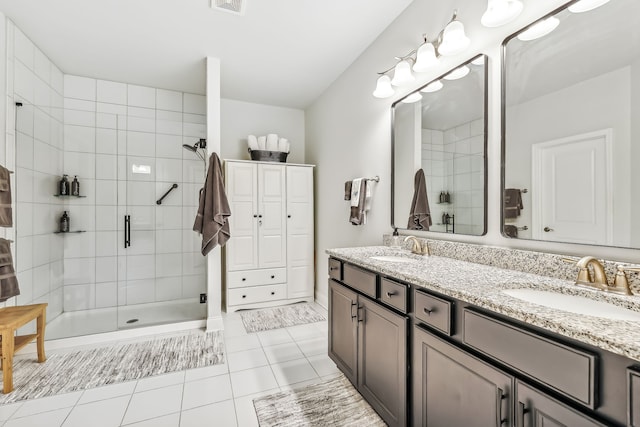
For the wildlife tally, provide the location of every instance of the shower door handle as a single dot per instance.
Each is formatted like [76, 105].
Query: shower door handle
[127, 231]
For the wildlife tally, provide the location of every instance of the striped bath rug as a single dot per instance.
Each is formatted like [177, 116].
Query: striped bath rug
[84, 369]
[331, 403]
[279, 317]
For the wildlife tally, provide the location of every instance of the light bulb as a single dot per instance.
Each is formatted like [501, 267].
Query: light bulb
[454, 40]
[383, 87]
[425, 58]
[586, 5]
[500, 12]
[458, 73]
[414, 97]
[402, 74]
[432, 87]
[540, 29]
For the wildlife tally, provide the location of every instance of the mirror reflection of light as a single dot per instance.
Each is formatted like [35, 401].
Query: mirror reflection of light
[383, 87]
[500, 12]
[458, 73]
[540, 29]
[414, 97]
[586, 5]
[432, 87]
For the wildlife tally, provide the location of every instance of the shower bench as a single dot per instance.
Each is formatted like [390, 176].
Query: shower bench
[12, 318]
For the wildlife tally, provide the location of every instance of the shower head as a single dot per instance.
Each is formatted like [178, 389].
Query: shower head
[202, 143]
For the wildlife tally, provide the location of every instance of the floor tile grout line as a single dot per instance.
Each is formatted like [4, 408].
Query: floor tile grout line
[124, 414]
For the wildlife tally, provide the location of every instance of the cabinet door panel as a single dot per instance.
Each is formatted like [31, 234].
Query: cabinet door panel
[382, 360]
[343, 342]
[300, 231]
[453, 388]
[271, 221]
[536, 409]
[300, 281]
[242, 248]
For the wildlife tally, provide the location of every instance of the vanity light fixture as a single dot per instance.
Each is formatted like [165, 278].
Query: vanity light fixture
[539, 29]
[425, 57]
[500, 12]
[402, 73]
[383, 87]
[432, 87]
[586, 5]
[450, 41]
[458, 73]
[453, 39]
[414, 97]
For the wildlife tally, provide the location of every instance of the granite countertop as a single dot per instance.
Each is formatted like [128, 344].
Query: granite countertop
[481, 285]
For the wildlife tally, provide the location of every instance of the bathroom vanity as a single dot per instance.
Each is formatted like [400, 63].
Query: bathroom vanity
[437, 341]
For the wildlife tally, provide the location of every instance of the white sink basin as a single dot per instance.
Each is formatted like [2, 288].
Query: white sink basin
[574, 304]
[391, 258]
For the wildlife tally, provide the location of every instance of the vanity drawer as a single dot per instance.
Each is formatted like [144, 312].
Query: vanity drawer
[335, 269]
[434, 311]
[255, 294]
[359, 279]
[268, 276]
[568, 370]
[393, 294]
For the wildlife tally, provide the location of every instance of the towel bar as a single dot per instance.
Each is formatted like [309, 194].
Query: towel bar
[375, 178]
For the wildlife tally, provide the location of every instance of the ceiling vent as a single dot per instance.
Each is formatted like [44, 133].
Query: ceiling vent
[232, 6]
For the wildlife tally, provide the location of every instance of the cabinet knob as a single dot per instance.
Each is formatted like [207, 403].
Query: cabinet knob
[259, 216]
[547, 229]
[244, 296]
[288, 216]
[390, 294]
[244, 279]
[273, 277]
[273, 293]
[427, 311]
[333, 268]
[255, 216]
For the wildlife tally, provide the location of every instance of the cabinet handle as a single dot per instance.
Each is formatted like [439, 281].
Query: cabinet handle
[244, 279]
[273, 277]
[500, 396]
[273, 293]
[390, 294]
[522, 410]
[427, 311]
[244, 296]
[255, 216]
[363, 314]
[259, 216]
[333, 268]
[288, 216]
[353, 316]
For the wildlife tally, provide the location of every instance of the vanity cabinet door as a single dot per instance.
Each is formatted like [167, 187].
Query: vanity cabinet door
[536, 409]
[343, 329]
[453, 388]
[382, 360]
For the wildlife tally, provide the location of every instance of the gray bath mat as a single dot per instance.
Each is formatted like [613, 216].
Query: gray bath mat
[279, 317]
[81, 370]
[331, 403]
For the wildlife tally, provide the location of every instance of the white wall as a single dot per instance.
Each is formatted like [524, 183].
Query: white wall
[239, 119]
[348, 131]
[635, 152]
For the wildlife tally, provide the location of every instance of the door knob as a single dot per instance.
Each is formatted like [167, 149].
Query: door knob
[547, 229]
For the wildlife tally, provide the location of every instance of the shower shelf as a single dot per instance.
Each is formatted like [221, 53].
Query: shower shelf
[66, 195]
[70, 232]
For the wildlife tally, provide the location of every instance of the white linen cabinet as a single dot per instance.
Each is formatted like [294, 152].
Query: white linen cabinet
[269, 258]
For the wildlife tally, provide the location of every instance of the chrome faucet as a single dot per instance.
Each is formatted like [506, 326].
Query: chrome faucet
[418, 248]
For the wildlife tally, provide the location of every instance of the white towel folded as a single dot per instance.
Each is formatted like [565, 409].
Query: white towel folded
[283, 145]
[253, 142]
[367, 203]
[272, 142]
[355, 191]
[262, 143]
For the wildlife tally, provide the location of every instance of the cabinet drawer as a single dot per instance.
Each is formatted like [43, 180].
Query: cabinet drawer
[359, 279]
[268, 276]
[393, 294]
[568, 370]
[434, 311]
[335, 269]
[250, 295]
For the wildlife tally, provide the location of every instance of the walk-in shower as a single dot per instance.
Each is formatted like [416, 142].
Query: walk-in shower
[127, 261]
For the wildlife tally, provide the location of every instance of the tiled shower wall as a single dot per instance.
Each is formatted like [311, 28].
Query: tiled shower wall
[37, 83]
[112, 129]
[453, 161]
[97, 129]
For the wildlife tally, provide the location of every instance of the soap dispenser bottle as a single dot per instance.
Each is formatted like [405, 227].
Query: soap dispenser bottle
[64, 223]
[75, 186]
[395, 238]
[63, 189]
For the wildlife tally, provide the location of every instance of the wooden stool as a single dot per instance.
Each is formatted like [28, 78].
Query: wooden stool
[12, 318]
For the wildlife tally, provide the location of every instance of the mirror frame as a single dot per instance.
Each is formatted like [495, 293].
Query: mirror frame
[485, 106]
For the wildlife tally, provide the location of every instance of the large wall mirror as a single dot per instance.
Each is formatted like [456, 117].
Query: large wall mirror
[441, 129]
[571, 127]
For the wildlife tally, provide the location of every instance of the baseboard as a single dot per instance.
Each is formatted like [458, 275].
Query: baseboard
[322, 300]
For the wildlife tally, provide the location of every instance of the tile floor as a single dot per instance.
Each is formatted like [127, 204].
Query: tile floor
[220, 395]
